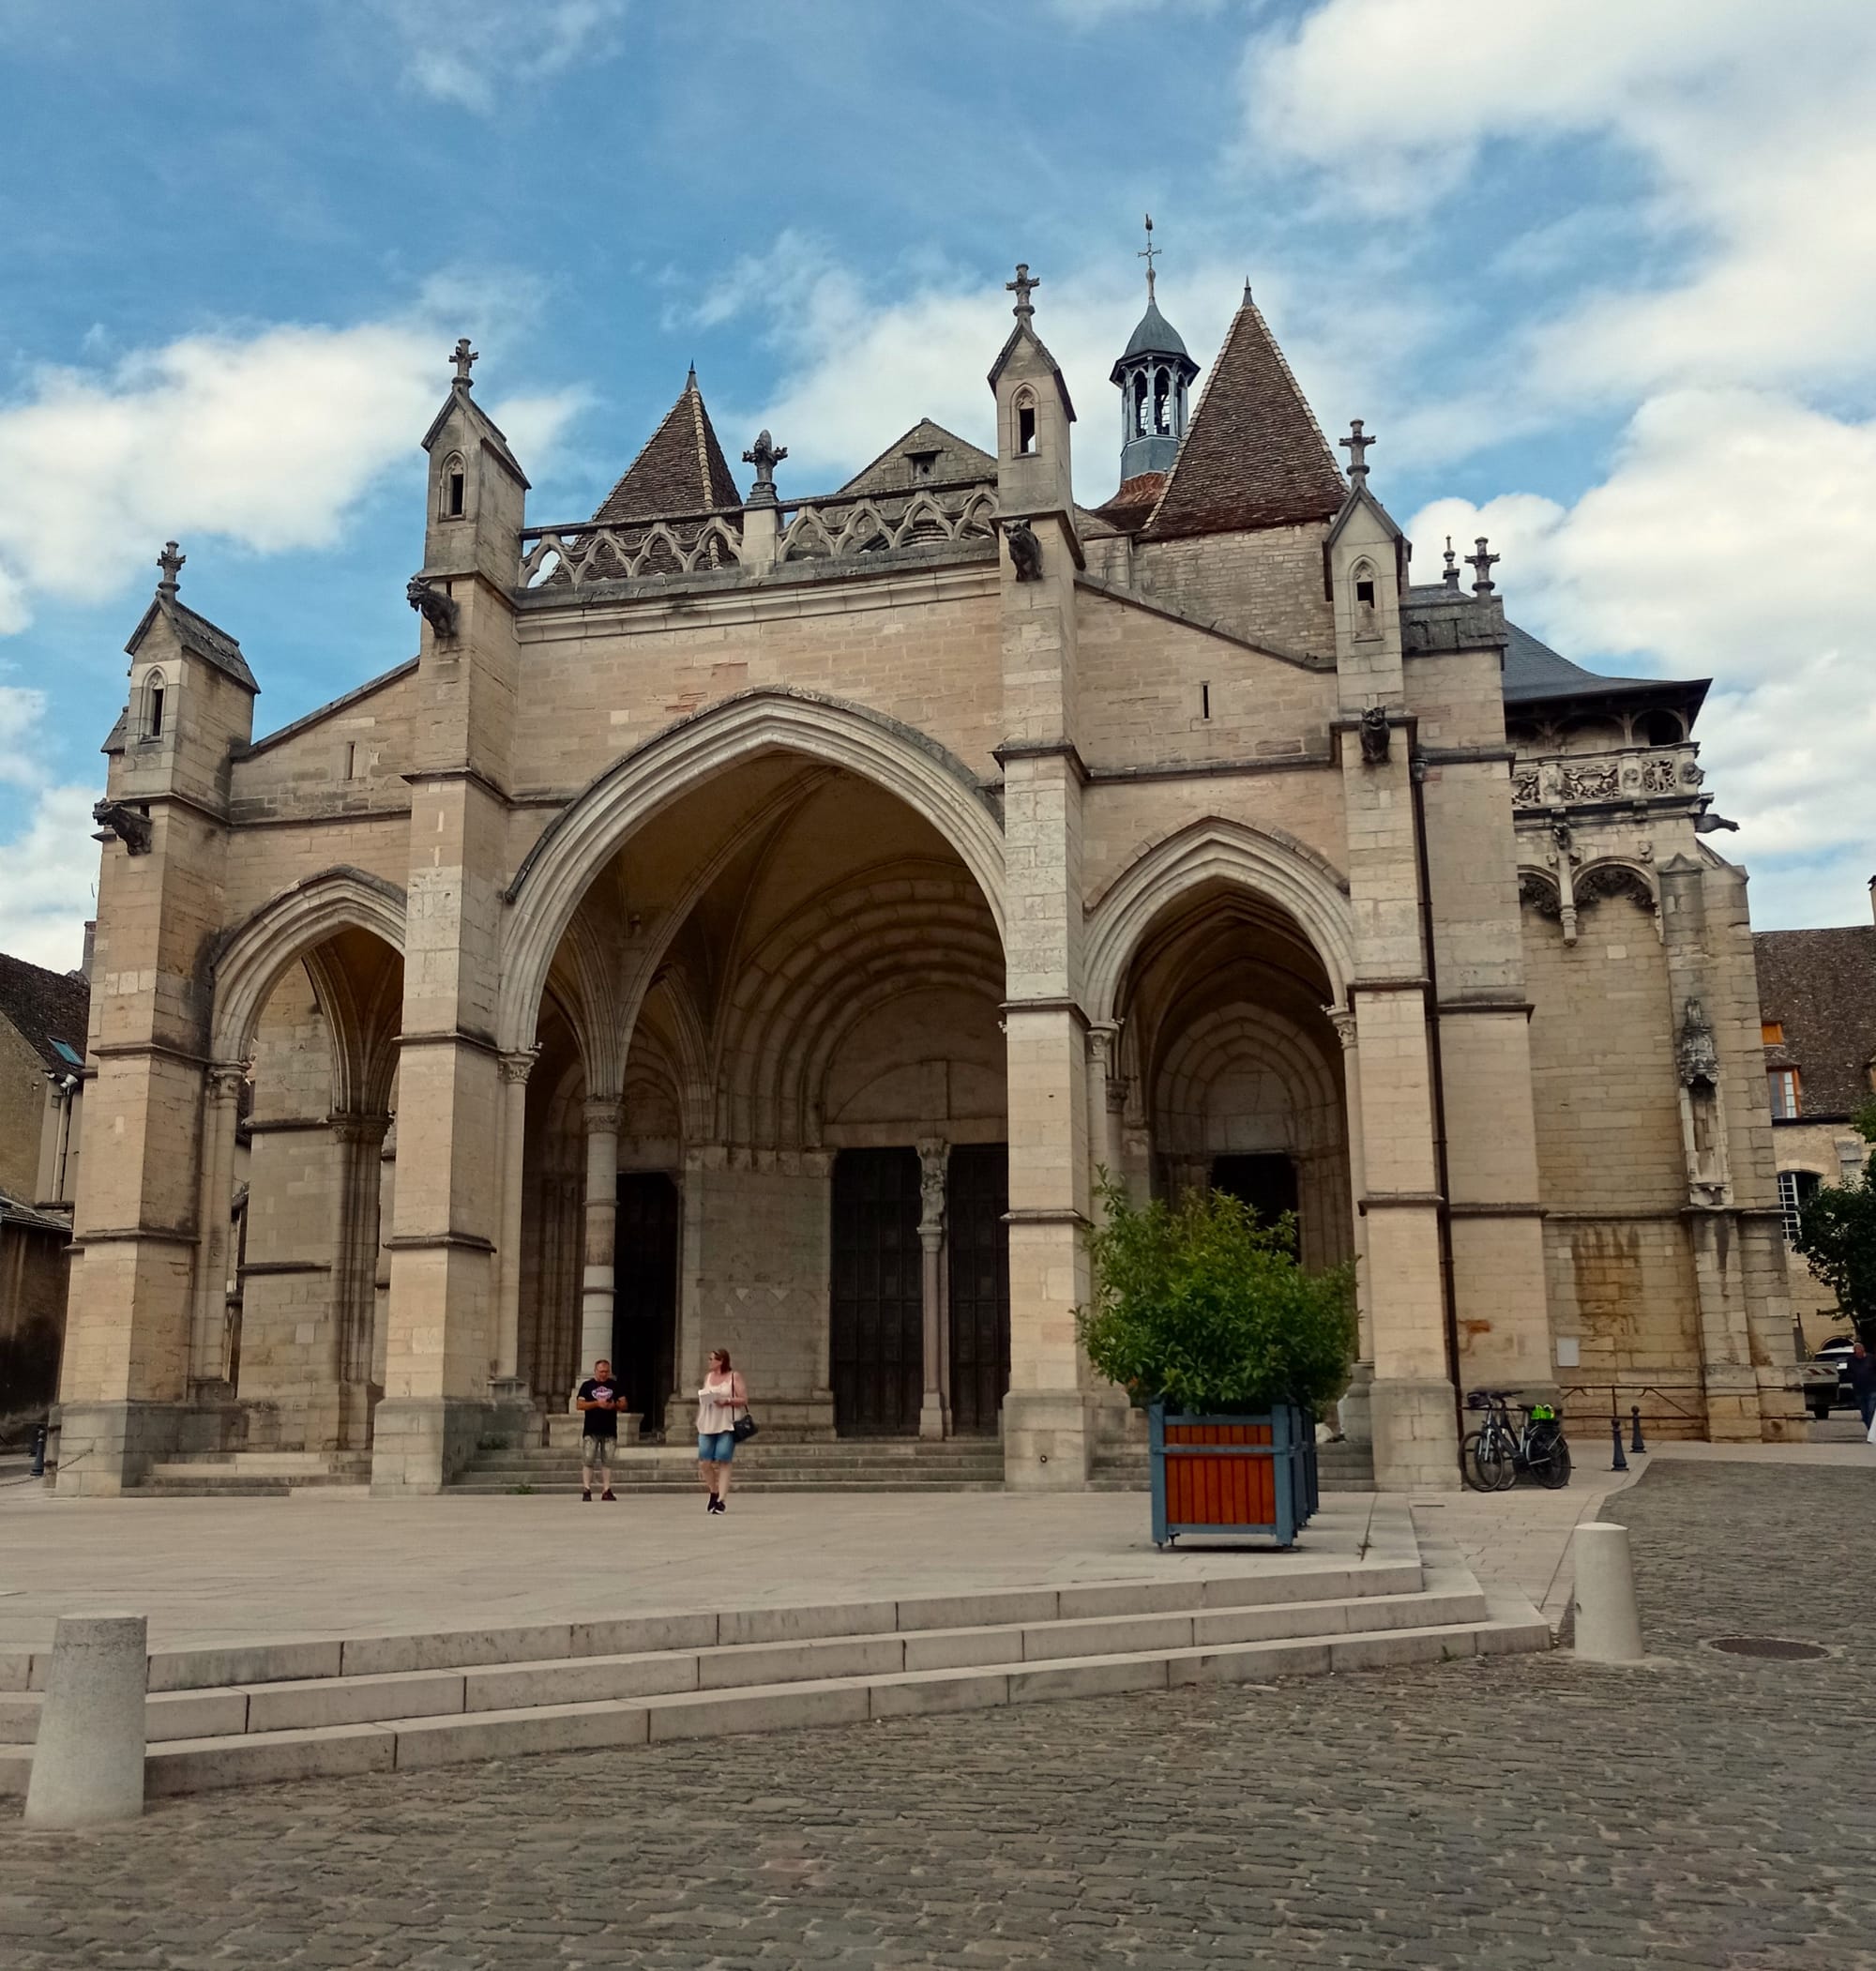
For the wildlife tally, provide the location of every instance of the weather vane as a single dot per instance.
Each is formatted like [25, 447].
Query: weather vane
[1147, 255]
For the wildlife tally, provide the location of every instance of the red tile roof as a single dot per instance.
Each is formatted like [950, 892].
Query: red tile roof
[1253, 455]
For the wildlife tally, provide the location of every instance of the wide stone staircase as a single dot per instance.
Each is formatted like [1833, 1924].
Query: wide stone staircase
[762, 1464]
[323, 1706]
[257, 1474]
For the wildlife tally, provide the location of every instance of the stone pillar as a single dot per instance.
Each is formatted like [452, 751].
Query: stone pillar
[221, 1109]
[1358, 1423]
[360, 1140]
[603, 1215]
[505, 1386]
[1102, 1034]
[933, 1411]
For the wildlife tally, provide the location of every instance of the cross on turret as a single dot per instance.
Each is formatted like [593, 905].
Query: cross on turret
[1022, 287]
[1480, 564]
[1357, 446]
[1147, 255]
[171, 562]
[764, 455]
[464, 356]
[1451, 576]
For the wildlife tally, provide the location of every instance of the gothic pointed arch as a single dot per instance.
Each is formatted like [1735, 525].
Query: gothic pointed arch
[558, 870]
[1273, 864]
[250, 958]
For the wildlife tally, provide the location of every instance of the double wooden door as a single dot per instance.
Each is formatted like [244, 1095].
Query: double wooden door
[976, 1199]
[644, 1300]
[876, 1344]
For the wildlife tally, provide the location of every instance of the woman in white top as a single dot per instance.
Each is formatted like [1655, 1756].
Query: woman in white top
[717, 1401]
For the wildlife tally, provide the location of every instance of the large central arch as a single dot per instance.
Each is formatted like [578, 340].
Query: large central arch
[556, 872]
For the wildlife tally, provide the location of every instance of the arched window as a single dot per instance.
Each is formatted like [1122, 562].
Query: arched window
[452, 492]
[1026, 423]
[1366, 622]
[155, 706]
[1659, 728]
[1162, 402]
[1140, 425]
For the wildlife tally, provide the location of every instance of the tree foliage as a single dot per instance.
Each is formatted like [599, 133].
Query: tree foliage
[1836, 1233]
[1204, 1306]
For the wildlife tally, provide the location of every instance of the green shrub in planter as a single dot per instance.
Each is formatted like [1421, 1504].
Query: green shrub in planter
[1204, 1307]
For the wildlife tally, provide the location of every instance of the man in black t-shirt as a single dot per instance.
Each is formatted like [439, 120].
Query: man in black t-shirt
[599, 1401]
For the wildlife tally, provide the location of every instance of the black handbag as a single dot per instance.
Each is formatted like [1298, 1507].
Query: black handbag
[744, 1427]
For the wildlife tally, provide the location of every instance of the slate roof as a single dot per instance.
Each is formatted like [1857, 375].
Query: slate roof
[954, 458]
[1821, 986]
[681, 470]
[1153, 335]
[1253, 454]
[1534, 674]
[43, 1006]
[196, 634]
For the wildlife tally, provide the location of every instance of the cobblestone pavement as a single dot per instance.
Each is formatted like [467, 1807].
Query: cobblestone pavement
[1705, 1811]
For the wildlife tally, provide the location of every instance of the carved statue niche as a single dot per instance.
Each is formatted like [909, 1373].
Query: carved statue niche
[437, 609]
[1374, 735]
[1541, 893]
[1695, 1054]
[129, 826]
[1615, 879]
[1026, 551]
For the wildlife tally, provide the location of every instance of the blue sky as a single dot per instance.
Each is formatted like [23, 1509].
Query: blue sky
[1599, 276]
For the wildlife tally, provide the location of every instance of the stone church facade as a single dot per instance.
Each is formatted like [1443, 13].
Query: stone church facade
[751, 921]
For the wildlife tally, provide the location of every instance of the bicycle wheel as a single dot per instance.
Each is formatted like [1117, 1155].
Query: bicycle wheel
[1487, 1462]
[1551, 1468]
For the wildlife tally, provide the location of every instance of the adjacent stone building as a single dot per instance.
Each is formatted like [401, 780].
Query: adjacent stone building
[43, 1019]
[1816, 999]
[751, 919]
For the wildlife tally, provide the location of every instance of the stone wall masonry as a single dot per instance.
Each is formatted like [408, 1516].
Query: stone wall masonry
[346, 759]
[1266, 584]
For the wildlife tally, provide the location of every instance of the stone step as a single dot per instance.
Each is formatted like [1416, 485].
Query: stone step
[850, 1680]
[484, 1484]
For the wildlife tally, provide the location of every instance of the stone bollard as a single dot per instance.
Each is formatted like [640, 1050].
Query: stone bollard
[1608, 1623]
[88, 1759]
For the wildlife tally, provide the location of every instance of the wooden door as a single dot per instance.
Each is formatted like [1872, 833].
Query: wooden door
[976, 1199]
[644, 1300]
[877, 1339]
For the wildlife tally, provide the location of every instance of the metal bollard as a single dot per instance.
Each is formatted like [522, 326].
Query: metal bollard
[1607, 1621]
[1621, 1463]
[88, 1758]
[1635, 1443]
[40, 1452]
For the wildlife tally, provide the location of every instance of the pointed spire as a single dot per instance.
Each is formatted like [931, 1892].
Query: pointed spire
[170, 562]
[681, 468]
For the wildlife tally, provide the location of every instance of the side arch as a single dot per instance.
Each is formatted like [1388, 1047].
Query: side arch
[248, 962]
[1266, 861]
[555, 874]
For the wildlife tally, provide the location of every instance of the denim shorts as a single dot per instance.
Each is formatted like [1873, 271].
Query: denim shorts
[715, 1446]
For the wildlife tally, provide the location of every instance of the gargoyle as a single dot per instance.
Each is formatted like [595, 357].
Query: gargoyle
[1026, 551]
[1374, 735]
[122, 821]
[431, 604]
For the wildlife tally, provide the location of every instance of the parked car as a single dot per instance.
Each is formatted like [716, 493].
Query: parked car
[1833, 1354]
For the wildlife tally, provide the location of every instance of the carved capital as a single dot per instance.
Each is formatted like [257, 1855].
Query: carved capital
[1342, 1019]
[226, 1080]
[359, 1129]
[602, 1116]
[516, 1068]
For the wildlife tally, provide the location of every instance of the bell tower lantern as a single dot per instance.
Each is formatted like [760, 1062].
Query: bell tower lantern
[1154, 374]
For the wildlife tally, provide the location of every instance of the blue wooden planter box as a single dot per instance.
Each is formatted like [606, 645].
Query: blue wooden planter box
[1244, 1473]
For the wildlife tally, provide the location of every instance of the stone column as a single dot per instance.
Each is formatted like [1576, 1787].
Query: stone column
[505, 1386]
[222, 1110]
[1356, 1422]
[934, 1419]
[603, 1215]
[360, 1140]
[1102, 1034]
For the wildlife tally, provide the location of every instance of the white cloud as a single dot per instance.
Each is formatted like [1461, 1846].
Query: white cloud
[1730, 542]
[52, 874]
[21, 711]
[470, 52]
[268, 438]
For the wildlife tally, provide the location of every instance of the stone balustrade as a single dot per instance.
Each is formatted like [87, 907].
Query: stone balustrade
[1629, 774]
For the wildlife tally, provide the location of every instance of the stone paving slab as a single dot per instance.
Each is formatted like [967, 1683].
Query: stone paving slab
[214, 1571]
[1702, 1811]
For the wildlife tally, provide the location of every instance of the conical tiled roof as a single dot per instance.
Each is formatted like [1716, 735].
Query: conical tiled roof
[1253, 455]
[681, 470]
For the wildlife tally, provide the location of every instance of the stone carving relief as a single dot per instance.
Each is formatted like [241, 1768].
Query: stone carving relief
[1696, 1053]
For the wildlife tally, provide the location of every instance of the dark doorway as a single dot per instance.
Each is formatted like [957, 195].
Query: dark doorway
[645, 1305]
[877, 1341]
[976, 1198]
[1266, 1183]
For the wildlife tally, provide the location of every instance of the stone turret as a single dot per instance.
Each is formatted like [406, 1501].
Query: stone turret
[1153, 375]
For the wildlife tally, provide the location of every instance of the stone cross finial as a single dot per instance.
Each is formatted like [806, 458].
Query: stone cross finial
[1357, 445]
[171, 562]
[764, 455]
[1451, 577]
[1147, 256]
[464, 356]
[1022, 287]
[1480, 564]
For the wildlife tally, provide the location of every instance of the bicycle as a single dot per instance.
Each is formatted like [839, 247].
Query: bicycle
[1493, 1455]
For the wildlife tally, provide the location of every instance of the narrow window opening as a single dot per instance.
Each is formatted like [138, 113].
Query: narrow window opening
[155, 711]
[351, 759]
[1364, 593]
[1025, 430]
[1204, 700]
[1140, 406]
[455, 496]
[1785, 1095]
[1162, 416]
